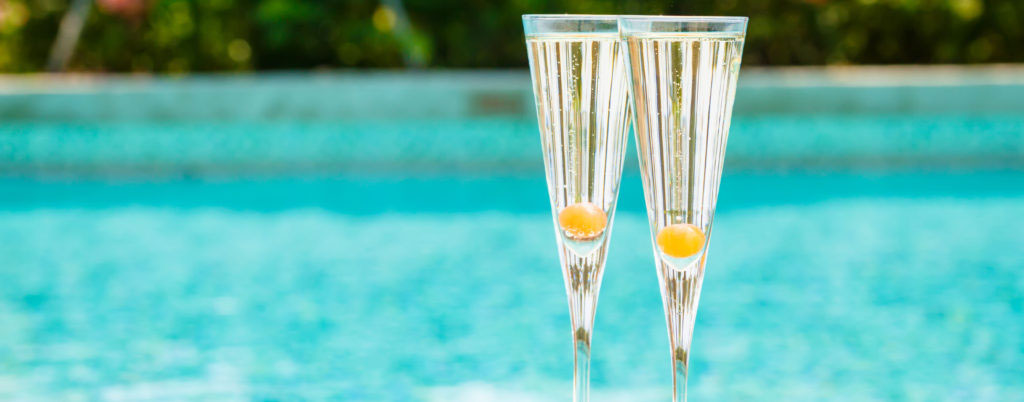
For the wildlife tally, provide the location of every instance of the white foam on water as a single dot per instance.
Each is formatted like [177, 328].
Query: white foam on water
[222, 382]
[550, 392]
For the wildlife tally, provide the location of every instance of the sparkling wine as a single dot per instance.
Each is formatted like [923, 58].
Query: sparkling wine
[581, 89]
[683, 85]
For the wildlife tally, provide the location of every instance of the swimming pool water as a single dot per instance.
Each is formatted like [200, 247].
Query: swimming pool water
[851, 285]
[491, 144]
[387, 236]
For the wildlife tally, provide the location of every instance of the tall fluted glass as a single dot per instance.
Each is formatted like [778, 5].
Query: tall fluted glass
[579, 83]
[683, 73]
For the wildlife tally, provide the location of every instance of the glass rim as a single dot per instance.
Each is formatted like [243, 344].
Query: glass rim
[570, 17]
[686, 18]
[558, 25]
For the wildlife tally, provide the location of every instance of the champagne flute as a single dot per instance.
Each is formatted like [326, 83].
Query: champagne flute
[579, 83]
[683, 73]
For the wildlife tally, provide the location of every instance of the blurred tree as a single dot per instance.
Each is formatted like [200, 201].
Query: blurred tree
[218, 35]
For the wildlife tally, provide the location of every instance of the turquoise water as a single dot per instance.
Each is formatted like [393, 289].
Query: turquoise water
[293, 237]
[492, 144]
[852, 285]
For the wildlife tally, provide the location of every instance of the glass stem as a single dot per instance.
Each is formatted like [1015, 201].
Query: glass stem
[581, 371]
[679, 369]
[680, 294]
[582, 279]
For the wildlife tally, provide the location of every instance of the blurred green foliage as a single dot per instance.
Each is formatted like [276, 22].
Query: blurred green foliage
[215, 35]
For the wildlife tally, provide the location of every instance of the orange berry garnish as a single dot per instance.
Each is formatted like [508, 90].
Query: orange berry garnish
[680, 240]
[582, 221]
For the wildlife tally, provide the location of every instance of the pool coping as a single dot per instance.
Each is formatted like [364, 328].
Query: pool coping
[456, 94]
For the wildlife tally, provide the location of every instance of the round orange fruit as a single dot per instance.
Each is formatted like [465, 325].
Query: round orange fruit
[680, 240]
[582, 221]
